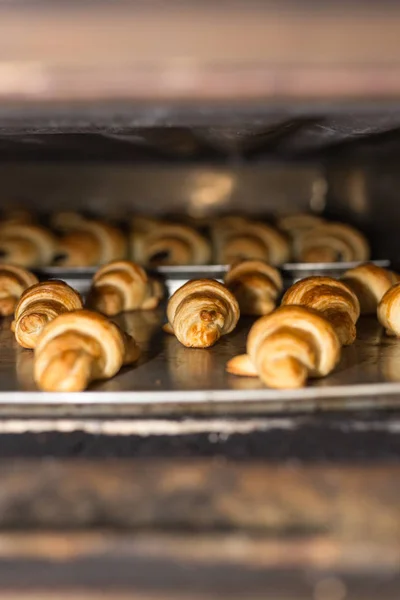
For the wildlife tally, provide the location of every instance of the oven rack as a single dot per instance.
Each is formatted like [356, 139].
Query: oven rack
[175, 276]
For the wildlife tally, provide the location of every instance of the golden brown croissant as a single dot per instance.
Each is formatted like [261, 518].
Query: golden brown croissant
[66, 220]
[201, 311]
[389, 311]
[337, 302]
[78, 249]
[288, 346]
[256, 286]
[245, 240]
[90, 242]
[13, 281]
[39, 305]
[79, 347]
[369, 282]
[122, 286]
[299, 223]
[170, 244]
[18, 215]
[26, 245]
[332, 242]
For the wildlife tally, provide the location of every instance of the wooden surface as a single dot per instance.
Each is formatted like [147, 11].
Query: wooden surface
[354, 503]
[204, 566]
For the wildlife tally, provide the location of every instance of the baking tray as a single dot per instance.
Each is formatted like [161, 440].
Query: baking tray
[170, 378]
[174, 277]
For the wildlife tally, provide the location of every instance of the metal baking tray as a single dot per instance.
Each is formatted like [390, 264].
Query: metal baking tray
[174, 277]
[170, 378]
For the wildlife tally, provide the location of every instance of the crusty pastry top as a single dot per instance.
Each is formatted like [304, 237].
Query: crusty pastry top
[256, 285]
[40, 304]
[299, 222]
[306, 321]
[332, 242]
[13, 282]
[245, 239]
[389, 310]
[79, 347]
[333, 298]
[26, 244]
[122, 286]
[369, 282]
[288, 346]
[104, 242]
[170, 244]
[201, 311]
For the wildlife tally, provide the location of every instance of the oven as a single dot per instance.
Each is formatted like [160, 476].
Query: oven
[175, 477]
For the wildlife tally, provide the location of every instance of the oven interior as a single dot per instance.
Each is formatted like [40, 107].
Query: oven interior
[202, 164]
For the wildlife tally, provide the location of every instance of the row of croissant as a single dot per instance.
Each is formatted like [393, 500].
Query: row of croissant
[73, 240]
[286, 345]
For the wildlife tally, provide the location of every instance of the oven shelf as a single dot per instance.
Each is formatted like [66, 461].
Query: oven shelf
[174, 277]
[170, 378]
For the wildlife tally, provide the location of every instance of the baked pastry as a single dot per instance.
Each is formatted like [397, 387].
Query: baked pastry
[78, 249]
[13, 281]
[255, 285]
[299, 223]
[79, 347]
[39, 305]
[242, 239]
[122, 286]
[389, 311]
[66, 220]
[170, 244]
[332, 242]
[337, 302]
[288, 346]
[89, 242]
[369, 282]
[26, 245]
[201, 311]
[17, 215]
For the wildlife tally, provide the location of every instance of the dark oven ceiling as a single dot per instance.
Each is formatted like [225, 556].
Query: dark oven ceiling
[199, 133]
[193, 80]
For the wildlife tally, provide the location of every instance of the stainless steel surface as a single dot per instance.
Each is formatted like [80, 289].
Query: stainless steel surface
[118, 190]
[171, 377]
[175, 277]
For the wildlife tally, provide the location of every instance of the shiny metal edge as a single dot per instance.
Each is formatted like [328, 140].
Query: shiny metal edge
[206, 270]
[201, 396]
[175, 276]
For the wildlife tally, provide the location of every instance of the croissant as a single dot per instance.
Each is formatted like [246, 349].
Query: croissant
[144, 224]
[66, 220]
[170, 244]
[255, 285]
[369, 282]
[122, 286]
[288, 346]
[78, 249]
[332, 242]
[13, 281]
[201, 311]
[90, 242]
[245, 240]
[79, 347]
[337, 302]
[389, 311]
[299, 223]
[18, 215]
[26, 245]
[39, 305]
